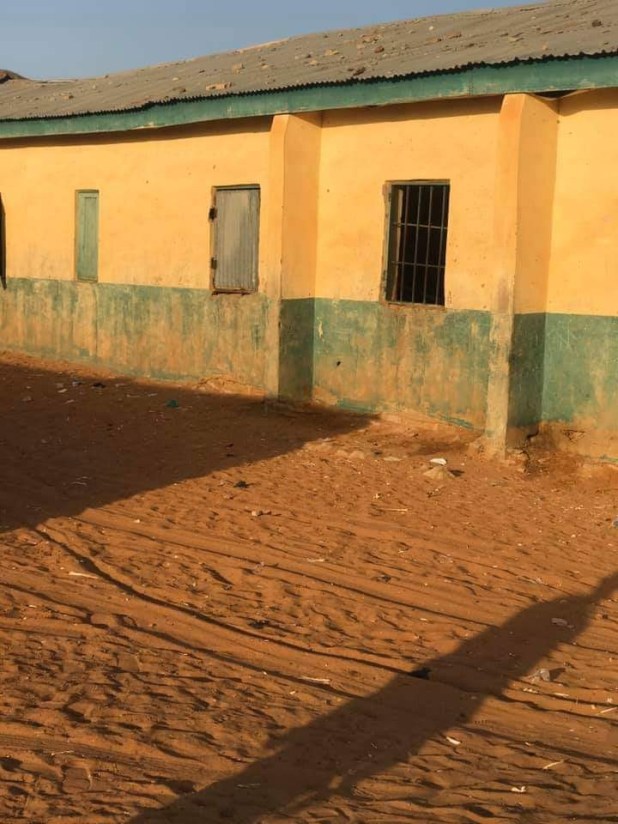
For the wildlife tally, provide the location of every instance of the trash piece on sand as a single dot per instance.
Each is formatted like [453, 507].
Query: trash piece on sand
[439, 472]
[540, 675]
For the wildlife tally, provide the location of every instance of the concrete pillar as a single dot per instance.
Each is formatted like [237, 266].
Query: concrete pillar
[291, 253]
[525, 181]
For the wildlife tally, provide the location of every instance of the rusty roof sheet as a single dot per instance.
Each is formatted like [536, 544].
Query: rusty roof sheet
[558, 28]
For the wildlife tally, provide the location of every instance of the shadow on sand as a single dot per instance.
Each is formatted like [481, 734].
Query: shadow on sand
[328, 758]
[71, 441]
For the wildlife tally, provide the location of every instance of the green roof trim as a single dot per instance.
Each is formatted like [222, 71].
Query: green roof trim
[555, 74]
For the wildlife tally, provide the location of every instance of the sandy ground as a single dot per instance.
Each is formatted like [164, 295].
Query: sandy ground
[215, 610]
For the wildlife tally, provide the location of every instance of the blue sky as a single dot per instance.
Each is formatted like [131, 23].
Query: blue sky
[77, 38]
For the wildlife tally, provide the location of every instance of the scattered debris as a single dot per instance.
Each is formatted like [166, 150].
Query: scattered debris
[439, 472]
[241, 485]
[218, 87]
[77, 777]
[560, 622]
[128, 662]
[540, 675]
[101, 619]
[553, 764]
[423, 672]
[83, 575]
[519, 789]
[453, 741]
[325, 681]
[172, 404]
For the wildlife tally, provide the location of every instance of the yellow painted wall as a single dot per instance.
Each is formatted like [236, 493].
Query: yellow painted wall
[291, 241]
[363, 149]
[300, 206]
[155, 193]
[584, 262]
[536, 160]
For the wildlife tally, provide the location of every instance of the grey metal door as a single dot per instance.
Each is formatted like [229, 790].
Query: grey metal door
[236, 238]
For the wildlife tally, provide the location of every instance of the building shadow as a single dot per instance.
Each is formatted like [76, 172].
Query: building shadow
[70, 441]
[327, 759]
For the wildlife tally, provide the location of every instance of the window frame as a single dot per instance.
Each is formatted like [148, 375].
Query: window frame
[95, 277]
[388, 189]
[212, 220]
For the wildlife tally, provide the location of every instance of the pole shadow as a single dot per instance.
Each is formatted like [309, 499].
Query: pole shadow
[327, 759]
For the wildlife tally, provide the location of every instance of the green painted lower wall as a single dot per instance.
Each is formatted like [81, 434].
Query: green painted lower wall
[526, 379]
[296, 349]
[564, 381]
[359, 355]
[371, 356]
[169, 333]
[581, 370]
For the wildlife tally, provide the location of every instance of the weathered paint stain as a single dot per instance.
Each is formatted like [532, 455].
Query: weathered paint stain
[369, 356]
[527, 373]
[168, 333]
[359, 355]
[296, 349]
[581, 370]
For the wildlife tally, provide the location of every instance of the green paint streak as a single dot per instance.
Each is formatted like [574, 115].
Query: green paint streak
[535, 76]
[527, 370]
[166, 333]
[581, 370]
[369, 356]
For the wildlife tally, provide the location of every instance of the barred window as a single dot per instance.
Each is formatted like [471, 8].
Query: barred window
[417, 235]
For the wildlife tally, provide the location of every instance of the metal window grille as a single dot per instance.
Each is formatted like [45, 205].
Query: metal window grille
[235, 217]
[418, 229]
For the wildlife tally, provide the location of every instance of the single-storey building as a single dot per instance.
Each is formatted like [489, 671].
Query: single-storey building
[421, 215]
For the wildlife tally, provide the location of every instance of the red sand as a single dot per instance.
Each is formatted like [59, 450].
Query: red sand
[214, 613]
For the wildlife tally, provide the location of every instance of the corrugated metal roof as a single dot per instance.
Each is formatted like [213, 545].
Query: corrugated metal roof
[558, 28]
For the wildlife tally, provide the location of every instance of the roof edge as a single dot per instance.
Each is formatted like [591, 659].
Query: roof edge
[535, 76]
